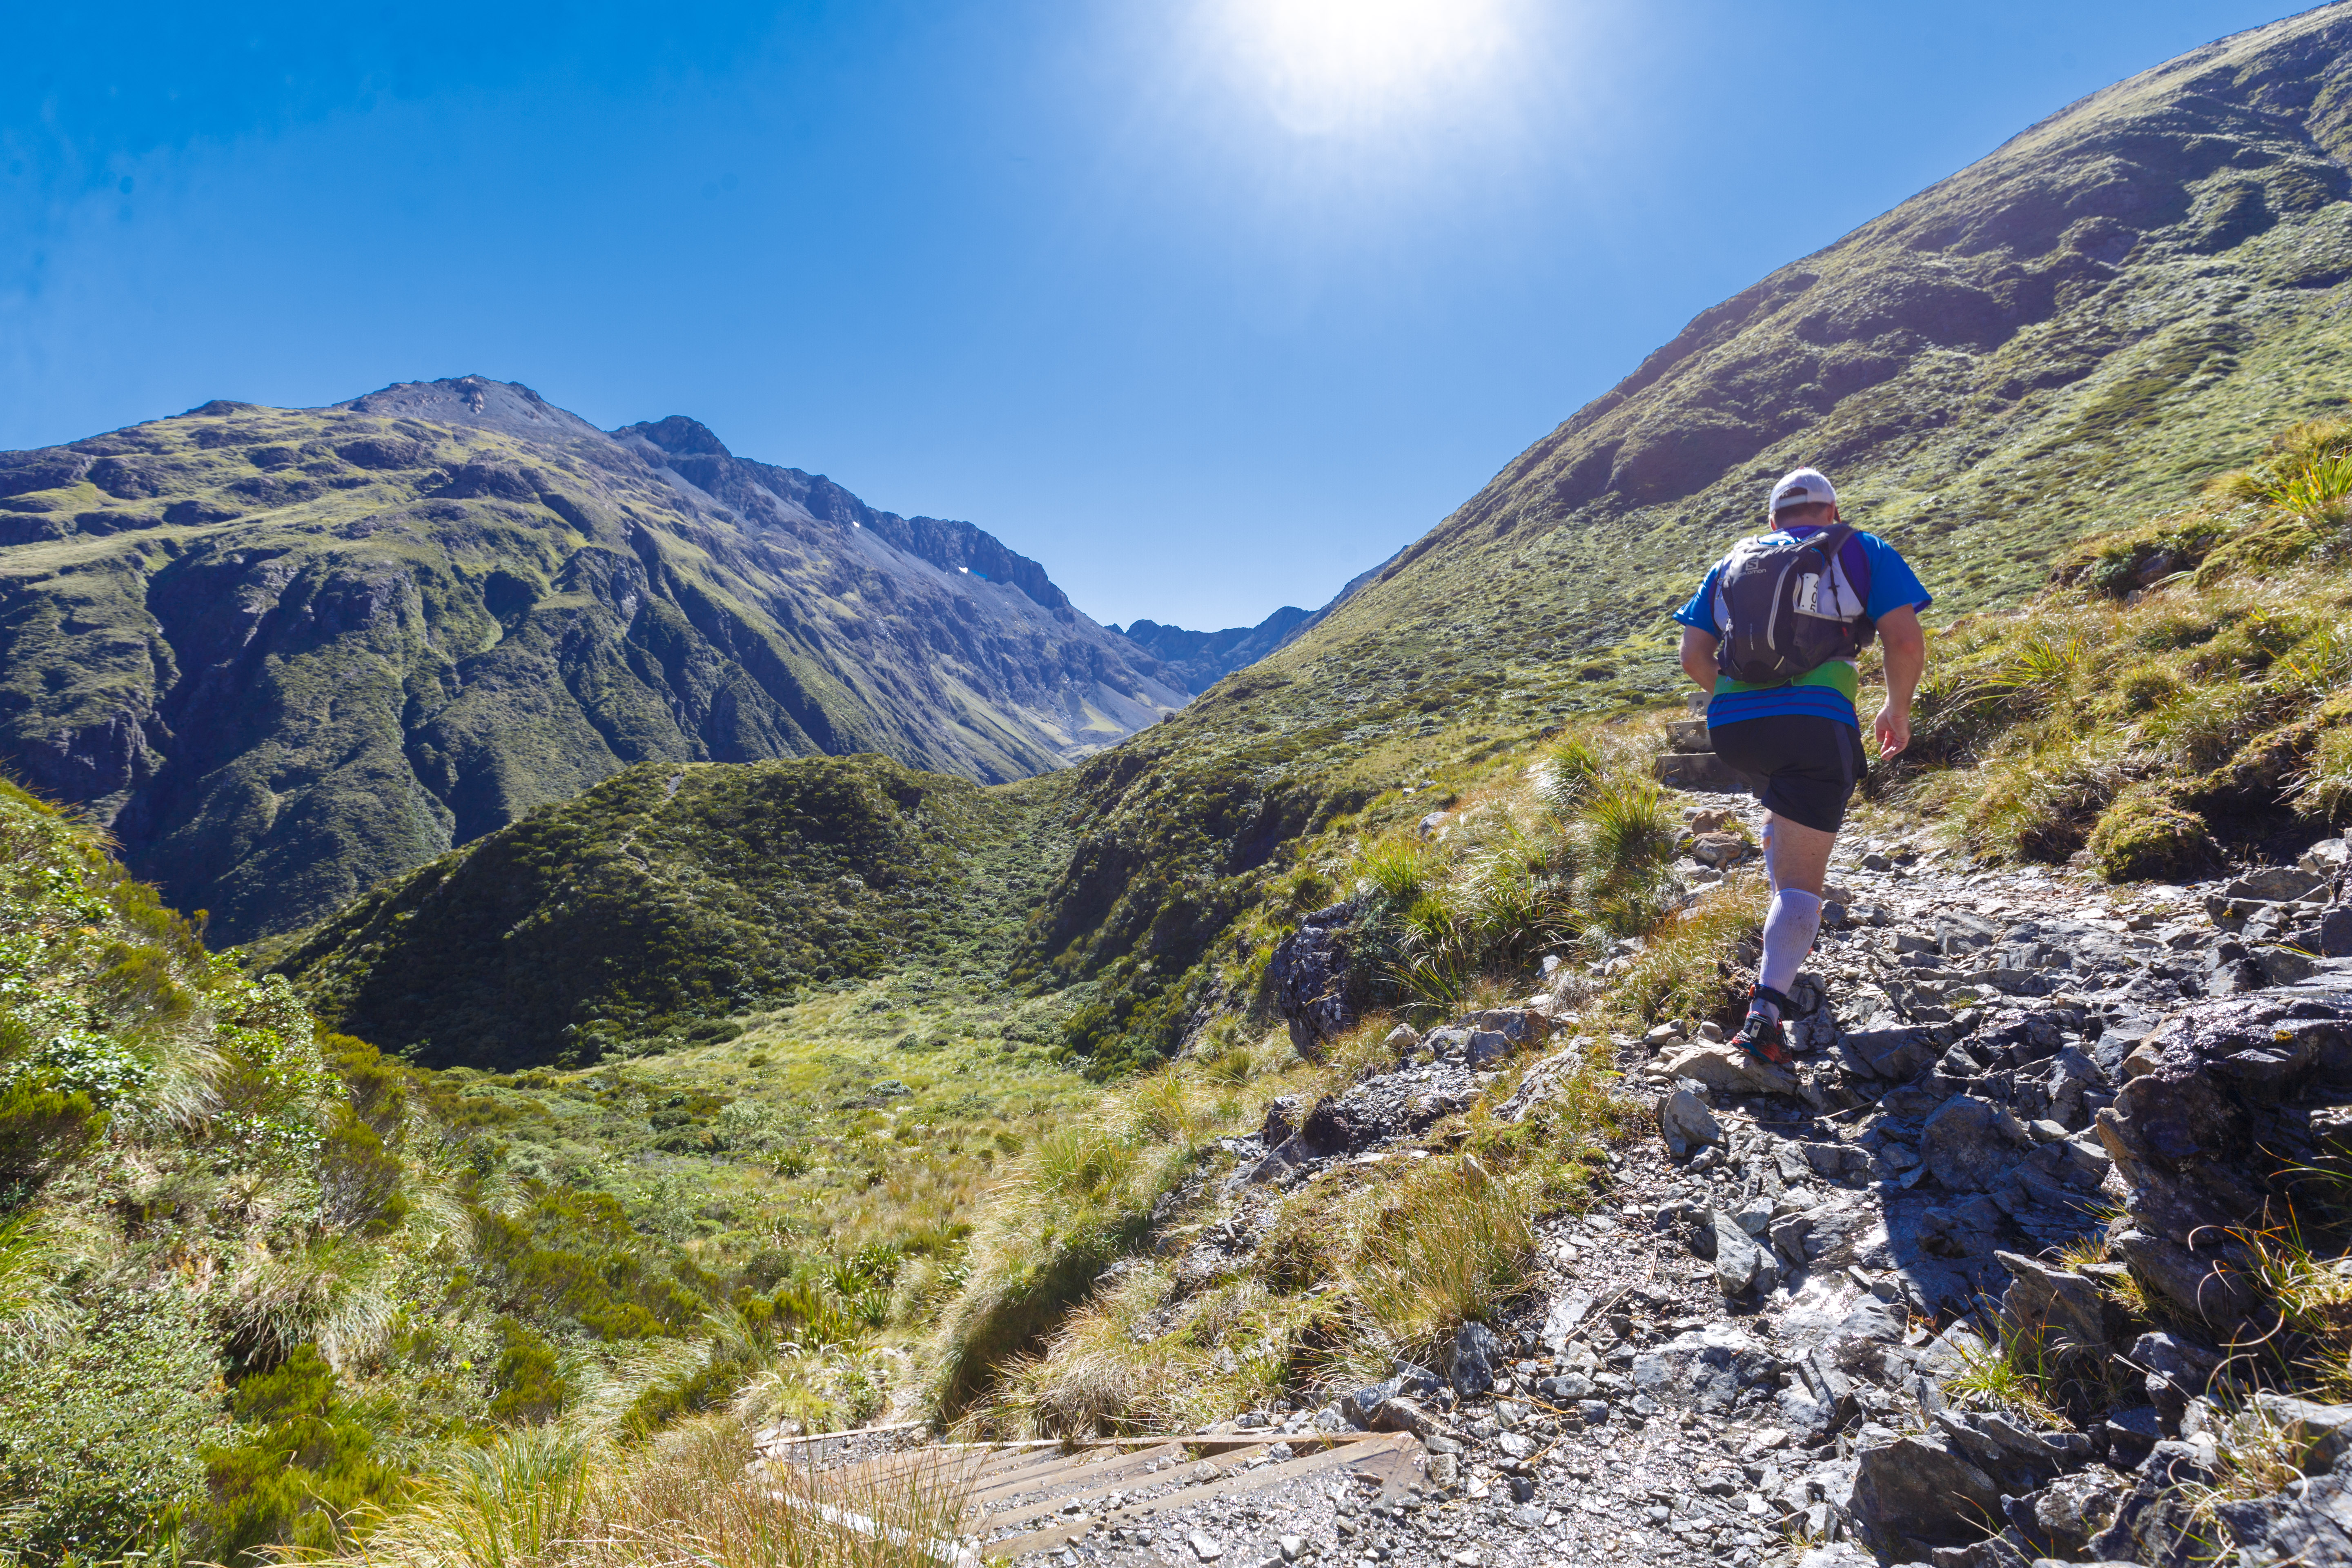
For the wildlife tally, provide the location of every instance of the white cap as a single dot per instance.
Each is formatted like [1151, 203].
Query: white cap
[1802, 488]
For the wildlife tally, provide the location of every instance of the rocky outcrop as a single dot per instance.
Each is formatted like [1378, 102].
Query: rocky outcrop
[1311, 981]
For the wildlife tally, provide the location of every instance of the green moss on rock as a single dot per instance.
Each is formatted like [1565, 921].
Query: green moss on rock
[2143, 838]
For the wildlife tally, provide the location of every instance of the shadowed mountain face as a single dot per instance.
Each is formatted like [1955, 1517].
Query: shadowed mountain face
[285, 653]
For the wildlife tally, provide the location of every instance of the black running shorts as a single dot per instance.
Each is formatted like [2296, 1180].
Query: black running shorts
[1801, 766]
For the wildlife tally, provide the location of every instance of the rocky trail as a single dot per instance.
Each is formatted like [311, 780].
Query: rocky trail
[1741, 1355]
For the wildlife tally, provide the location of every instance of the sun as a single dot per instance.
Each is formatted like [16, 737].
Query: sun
[1330, 66]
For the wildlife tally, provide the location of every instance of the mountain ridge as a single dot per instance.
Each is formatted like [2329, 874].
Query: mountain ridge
[283, 654]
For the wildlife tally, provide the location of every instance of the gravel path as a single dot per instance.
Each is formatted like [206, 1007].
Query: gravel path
[1735, 1357]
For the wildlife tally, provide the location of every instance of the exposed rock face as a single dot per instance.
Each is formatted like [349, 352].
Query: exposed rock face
[1311, 977]
[286, 653]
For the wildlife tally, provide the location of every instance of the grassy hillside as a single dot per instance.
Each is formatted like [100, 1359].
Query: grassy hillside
[674, 897]
[2177, 696]
[2063, 340]
[286, 653]
[261, 1286]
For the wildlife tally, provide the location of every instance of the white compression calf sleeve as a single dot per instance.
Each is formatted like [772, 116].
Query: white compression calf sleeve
[1790, 927]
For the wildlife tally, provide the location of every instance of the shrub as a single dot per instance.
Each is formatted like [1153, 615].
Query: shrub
[98, 1444]
[2141, 839]
[304, 1466]
[528, 1377]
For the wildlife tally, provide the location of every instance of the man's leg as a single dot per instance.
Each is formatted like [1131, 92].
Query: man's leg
[1797, 859]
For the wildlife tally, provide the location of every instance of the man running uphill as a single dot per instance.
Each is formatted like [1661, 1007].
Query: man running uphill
[1773, 635]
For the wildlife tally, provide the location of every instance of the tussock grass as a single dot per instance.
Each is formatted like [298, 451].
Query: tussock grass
[1684, 972]
[1568, 851]
[549, 1497]
[2254, 1457]
[2179, 689]
[1444, 1251]
[2019, 1371]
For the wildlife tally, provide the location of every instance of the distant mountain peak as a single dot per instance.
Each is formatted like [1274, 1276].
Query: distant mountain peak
[506, 406]
[679, 436]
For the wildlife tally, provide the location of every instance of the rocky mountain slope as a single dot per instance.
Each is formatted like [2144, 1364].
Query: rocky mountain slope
[285, 653]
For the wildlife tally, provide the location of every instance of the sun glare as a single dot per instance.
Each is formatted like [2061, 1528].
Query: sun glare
[1338, 65]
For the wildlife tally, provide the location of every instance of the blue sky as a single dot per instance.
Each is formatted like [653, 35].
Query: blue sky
[1206, 304]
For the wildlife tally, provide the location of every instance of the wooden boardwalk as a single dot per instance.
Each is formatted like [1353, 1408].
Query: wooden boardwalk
[1023, 1497]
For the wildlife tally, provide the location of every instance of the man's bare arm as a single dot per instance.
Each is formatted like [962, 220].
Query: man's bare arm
[1698, 656]
[1906, 660]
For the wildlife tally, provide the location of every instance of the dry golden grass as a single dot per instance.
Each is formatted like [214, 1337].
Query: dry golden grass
[1446, 1247]
[1367, 1263]
[549, 1498]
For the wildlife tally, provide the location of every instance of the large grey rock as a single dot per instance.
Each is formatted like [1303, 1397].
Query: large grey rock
[1475, 1351]
[1914, 1488]
[1403, 1415]
[1969, 1143]
[1309, 975]
[1686, 1124]
[2017, 1458]
[2176, 1371]
[2321, 1432]
[1960, 931]
[2060, 1519]
[2273, 883]
[1486, 1047]
[1737, 1259]
[2310, 1531]
[1706, 1368]
[1359, 1404]
[1893, 1053]
[1567, 1311]
[2074, 1305]
[2285, 965]
[2214, 1286]
[1970, 1226]
[1720, 849]
[1727, 1067]
[2328, 857]
[1377, 1111]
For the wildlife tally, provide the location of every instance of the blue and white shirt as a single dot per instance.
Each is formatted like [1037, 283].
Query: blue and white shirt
[1830, 691]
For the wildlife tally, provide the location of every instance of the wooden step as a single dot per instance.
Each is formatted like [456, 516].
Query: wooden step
[1688, 735]
[1696, 769]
